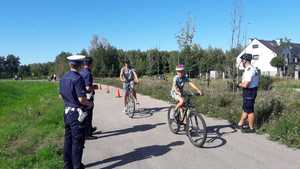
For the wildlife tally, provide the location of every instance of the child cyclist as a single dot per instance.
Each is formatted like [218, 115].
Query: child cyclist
[178, 84]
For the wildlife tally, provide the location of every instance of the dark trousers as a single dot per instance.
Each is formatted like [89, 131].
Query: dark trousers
[74, 141]
[88, 121]
[249, 96]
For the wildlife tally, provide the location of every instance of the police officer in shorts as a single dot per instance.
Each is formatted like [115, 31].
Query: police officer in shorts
[86, 73]
[249, 85]
[72, 91]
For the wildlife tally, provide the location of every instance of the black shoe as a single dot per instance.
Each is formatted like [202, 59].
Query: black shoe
[97, 132]
[248, 130]
[239, 127]
[93, 129]
[90, 137]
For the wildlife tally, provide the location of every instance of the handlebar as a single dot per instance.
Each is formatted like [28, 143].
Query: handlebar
[191, 94]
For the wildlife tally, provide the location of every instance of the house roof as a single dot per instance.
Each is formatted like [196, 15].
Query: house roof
[270, 44]
[273, 45]
[296, 50]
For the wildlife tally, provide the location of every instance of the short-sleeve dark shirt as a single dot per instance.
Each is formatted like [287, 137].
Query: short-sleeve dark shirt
[71, 87]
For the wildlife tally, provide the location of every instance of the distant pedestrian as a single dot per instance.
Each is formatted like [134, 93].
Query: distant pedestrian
[54, 77]
[73, 92]
[249, 84]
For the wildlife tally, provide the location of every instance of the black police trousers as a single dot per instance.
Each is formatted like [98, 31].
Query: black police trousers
[88, 121]
[74, 141]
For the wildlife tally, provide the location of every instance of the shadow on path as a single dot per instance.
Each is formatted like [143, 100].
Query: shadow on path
[148, 112]
[136, 155]
[134, 129]
[214, 135]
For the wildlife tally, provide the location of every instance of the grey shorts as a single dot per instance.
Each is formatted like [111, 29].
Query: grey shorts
[126, 86]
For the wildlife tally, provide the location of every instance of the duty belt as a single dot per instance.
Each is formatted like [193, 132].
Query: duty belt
[81, 113]
[68, 109]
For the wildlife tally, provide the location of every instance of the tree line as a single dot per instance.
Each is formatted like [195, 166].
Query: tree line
[108, 61]
[10, 66]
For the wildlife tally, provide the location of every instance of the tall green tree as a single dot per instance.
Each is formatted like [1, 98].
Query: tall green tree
[185, 41]
[24, 71]
[278, 62]
[153, 57]
[61, 63]
[11, 65]
[2, 66]
[105, 57]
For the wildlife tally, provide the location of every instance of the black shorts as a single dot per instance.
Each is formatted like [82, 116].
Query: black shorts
[249, 95]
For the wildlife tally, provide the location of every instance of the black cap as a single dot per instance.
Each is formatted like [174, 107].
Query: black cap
[88, 61]
[246, 56]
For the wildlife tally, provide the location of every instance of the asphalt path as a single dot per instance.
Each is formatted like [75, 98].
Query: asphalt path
[145, 142]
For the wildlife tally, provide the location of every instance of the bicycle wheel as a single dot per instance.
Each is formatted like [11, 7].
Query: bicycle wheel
[173, 120]
[196, 129]
[131, 106]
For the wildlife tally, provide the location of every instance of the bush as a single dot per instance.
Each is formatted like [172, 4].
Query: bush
[265, 83]
[267, 109]
[286, 129]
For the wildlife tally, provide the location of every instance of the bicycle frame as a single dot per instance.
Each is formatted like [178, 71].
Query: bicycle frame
[186, 107]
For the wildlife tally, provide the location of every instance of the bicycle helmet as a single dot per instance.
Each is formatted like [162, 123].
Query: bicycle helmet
[246, 56]
[180, 67]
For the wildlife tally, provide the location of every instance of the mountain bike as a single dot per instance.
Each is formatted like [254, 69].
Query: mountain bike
[192, 121]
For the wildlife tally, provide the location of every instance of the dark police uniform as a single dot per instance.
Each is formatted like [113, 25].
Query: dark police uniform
[249, 94]
[88, 80]
[71, 87]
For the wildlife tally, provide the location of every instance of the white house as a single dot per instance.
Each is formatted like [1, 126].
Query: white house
[263, 51]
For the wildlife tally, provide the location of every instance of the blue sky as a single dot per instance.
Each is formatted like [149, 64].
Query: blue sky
[38, 30]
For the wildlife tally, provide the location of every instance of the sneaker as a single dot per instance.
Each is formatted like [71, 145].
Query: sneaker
[248, 130]
[241, 127]
[125, 110]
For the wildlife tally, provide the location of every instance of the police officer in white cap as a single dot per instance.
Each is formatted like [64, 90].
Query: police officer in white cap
[249, 84]
[73, 92]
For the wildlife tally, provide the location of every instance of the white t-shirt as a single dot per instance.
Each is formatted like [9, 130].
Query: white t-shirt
[251, 75]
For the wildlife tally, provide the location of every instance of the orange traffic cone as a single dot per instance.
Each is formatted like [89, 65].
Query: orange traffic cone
[107, 89]
[118, 94]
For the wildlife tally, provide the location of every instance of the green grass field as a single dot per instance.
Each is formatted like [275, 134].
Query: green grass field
[31, 127]
[277, 111]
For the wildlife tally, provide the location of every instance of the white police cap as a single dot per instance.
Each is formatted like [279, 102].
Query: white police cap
[76, 59]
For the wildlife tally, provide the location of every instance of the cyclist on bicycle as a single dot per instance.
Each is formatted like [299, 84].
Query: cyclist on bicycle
[129, 79]
[178, 84]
